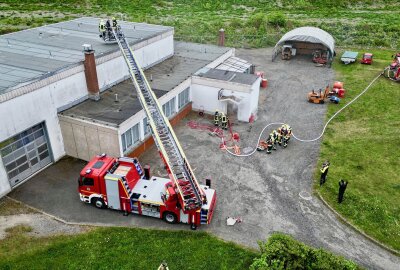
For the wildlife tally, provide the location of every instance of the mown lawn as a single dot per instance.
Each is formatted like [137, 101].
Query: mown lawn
[121, 248]
[362, 145]
[248, 23]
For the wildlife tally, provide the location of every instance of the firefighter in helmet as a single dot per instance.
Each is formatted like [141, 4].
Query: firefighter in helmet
[269, 145]
[279, 136]
[275, 134]
[102, 28]
[108, 25]
[216, 118]
[114, 22]
[273, 139]
[224, 121]
[287, 132]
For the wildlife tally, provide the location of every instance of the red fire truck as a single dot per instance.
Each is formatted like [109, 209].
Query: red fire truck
[121, 183]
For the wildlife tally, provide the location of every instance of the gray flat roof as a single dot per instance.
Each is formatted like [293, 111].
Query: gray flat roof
[188, 59]
[30, 54]
[229, 76]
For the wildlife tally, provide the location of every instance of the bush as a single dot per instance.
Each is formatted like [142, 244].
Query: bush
[283, 252]
[257, 20]
[277, 19]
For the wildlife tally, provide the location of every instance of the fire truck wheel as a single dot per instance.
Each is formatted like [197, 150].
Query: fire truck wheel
[193, 226]
[170, 217]
[98, 202]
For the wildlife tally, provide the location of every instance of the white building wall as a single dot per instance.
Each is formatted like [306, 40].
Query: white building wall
[41, 105]
[205, 96]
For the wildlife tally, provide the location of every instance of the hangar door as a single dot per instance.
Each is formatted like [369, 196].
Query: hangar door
[25, 153]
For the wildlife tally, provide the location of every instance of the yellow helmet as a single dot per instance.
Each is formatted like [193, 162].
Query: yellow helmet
[113, 18]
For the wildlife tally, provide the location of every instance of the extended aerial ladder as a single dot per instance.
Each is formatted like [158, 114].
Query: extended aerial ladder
[191, 196]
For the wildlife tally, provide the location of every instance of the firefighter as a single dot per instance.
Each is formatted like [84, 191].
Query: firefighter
[342, 189]
[114, 22]
[279, 136]
[273, 140]
[224, 121]
[286, 133]
[163, 266]
[102, 28]
[108, 25]
[216, 118]
[324, 172]
[275, 134]
[283, 132]
[269, 145]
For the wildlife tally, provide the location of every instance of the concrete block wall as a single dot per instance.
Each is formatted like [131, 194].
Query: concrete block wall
[84, 140]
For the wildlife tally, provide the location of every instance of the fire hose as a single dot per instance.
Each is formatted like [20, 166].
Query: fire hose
[323, 130]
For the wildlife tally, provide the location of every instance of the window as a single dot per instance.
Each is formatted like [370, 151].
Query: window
[183, 98]
[169, 108]
[98, 164]
[130, 138]
[146, 128]
[87, 181]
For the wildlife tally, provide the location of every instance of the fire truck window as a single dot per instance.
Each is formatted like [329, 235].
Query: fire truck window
[98, 165]
[87, 181]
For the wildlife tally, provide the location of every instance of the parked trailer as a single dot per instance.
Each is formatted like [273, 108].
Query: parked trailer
[349, 57]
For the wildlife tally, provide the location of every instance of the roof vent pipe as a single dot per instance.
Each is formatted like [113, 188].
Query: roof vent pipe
[116, 98]
[221, 39]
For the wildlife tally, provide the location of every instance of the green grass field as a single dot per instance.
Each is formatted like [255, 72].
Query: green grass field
[121, 248]
[249, 23]
[362, 146]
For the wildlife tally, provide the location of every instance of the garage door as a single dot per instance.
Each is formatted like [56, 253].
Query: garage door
[25, 153]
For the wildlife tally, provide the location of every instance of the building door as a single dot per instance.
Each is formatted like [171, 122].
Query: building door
[25, 153]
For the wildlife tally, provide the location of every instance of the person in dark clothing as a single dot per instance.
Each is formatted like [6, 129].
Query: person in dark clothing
[108, 24]
[324, 172]
[342, 188]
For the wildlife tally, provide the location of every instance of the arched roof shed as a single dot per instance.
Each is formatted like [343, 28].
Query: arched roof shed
[309, 35]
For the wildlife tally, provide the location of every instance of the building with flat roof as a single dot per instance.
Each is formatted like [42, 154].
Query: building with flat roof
[58, 98]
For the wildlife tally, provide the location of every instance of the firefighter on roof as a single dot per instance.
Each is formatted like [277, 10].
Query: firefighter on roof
[108, 25]
[102, 28]
[114, 22]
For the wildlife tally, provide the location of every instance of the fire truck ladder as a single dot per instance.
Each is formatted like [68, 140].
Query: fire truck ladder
[175, 160]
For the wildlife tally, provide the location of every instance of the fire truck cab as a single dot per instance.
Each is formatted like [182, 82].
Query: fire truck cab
[121, 184]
